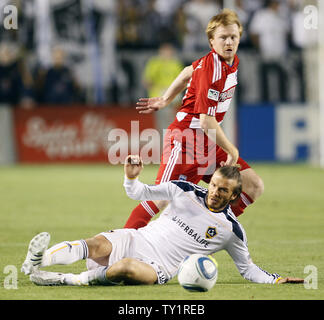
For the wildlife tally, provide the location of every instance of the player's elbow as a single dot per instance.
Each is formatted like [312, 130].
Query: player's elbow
[131, 193]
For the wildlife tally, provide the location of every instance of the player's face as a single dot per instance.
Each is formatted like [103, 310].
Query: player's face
[225, 41]
[220, 192]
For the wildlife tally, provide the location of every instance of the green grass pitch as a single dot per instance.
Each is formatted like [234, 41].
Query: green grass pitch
[284, 228]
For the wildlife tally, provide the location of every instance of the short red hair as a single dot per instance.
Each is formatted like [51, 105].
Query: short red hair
[225, 18]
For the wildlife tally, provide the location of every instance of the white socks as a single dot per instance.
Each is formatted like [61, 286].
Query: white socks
[97, 275]
[66, 252]
[90, 277]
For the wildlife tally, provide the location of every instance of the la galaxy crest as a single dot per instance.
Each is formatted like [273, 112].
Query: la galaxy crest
[211, 232]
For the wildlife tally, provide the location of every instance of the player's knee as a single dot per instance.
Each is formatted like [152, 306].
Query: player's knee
[258, 185]
[253, 185]
[93, 247]
[130, 272]
[98, 247]
[127, 268]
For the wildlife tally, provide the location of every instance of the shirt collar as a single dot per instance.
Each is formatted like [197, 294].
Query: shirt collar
[235, 61]
[210, 209]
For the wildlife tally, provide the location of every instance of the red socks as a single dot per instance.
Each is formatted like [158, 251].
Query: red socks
[142, 215]
[243, 201]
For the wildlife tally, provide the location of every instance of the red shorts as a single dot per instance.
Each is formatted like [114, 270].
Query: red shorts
[189, 155]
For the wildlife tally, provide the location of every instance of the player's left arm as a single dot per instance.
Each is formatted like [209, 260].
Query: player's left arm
[238, 250]
[206, 105]
[215, 132]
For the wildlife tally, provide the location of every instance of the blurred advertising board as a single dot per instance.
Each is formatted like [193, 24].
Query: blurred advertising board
[276, 132]
[81, 134]
[265, 132]
[7, 144]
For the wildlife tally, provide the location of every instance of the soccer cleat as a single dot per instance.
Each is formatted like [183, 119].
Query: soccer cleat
[46, 278]
[36, 249]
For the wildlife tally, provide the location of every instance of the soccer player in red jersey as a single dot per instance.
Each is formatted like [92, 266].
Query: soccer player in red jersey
[194, 143]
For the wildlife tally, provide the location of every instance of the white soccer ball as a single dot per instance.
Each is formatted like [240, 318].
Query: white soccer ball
[198, 272]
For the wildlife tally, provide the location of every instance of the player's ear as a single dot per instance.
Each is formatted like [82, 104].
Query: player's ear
[234, 197]
[210, 40]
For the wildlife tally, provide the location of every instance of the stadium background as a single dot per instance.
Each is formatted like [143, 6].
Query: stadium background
[73, 70]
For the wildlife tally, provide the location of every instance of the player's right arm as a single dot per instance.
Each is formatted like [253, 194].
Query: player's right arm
[148, 105]
[137, 190]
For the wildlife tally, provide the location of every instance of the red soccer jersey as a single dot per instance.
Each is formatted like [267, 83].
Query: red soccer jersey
[210, 89]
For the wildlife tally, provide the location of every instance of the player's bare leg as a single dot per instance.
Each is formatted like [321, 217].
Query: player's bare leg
[127, 270]
[99, 249]
[253, 187]
[252, 184]
[131, 271]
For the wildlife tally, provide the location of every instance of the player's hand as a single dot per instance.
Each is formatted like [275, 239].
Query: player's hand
[232, 158]
[133, 166]
[149, 105]
[291, 280]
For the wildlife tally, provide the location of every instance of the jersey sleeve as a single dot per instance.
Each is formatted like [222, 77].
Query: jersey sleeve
[238, 250]
[137, 190]
[209, 85]
[195, 64]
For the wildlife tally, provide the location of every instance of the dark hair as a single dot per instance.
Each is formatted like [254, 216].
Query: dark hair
[232, 172]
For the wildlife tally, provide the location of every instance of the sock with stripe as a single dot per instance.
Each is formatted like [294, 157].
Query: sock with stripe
[65, 252]
[141, 215]
[97, 276]
[239, 206]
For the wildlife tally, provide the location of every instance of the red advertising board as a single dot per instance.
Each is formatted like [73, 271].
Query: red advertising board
[79, 134]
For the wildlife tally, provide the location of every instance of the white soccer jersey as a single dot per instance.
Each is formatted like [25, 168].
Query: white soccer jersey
[187, 226]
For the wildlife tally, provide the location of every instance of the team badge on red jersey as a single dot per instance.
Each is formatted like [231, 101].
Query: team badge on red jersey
[213, 94]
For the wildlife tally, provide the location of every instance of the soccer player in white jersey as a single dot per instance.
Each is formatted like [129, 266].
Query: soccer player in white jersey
[197, 220]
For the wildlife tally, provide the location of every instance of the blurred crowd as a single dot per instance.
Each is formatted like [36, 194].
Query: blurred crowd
[271, 28]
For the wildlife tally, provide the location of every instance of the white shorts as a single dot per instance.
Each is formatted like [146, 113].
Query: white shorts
[127, 243]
